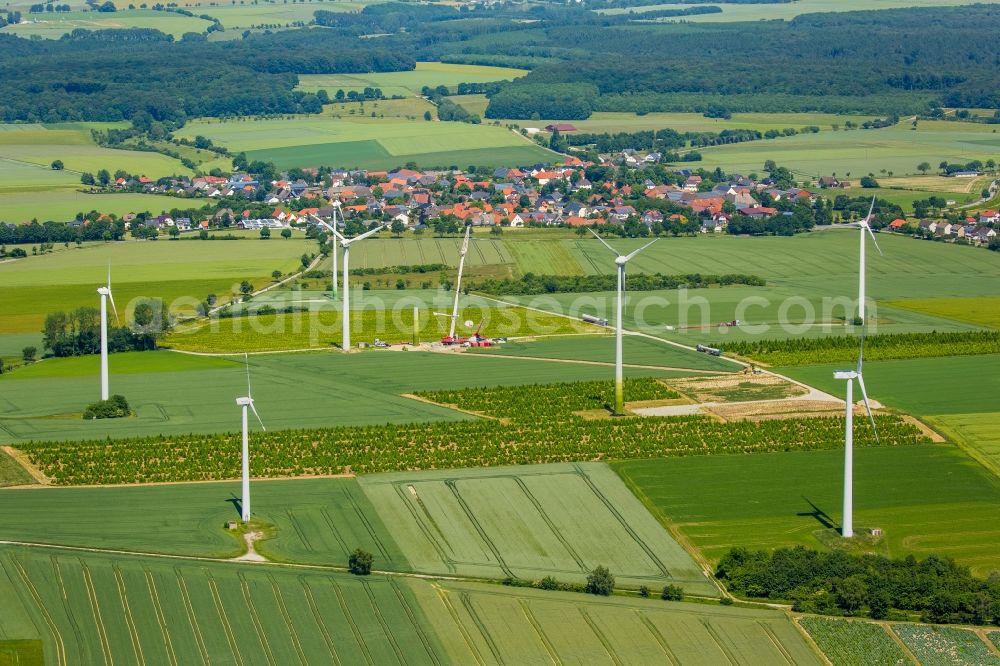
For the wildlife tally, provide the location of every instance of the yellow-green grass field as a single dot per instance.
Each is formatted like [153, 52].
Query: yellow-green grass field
[472, 103]
[898, 149]
[978, 433]
[266, 15]
[411, 82]
[54, 26]
[787, 11]
[411, 108]
[182, 273]
[928, 498]
[529, 522]
[983, 310]
[97, 608]
[172, 393]
[614, 121]
[63, 205]
[370, 142]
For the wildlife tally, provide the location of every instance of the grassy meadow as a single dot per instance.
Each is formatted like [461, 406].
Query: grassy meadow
[621, 121]
[54, 26]
[786, 11]
[928, 498]
[373, 143]
[411, 82]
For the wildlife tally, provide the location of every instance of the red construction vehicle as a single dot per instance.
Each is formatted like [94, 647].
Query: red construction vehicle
[459, 340]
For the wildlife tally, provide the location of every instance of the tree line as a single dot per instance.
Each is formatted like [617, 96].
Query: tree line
[78, 332]
[531, 284]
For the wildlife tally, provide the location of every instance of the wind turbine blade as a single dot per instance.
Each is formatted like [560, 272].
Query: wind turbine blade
[872, 234]
[365, 235]
[864, 395]
[861, 348]
[871, 209]
[258, 416]
[629, 256]
[598, 237]
[113, 308]
[441, 314]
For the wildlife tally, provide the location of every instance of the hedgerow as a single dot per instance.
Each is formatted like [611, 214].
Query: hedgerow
[832, 349]
[531, 428]
[530, 284]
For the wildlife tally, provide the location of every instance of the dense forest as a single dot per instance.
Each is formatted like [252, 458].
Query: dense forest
[886, 62]
[123, 74]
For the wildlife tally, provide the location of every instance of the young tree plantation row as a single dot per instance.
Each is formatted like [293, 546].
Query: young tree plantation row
[539, 434]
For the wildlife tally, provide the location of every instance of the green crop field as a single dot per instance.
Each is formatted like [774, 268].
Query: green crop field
[411, 82]
[411, 108]
[91, 609]
[63, 205]
[639, 351]
[983, 310]
[94, 608]
[787, 11]
[172, 394]
[852, 643]
[898, 149]
[923, 386]
[927, 498]
[183, 273]
[54, 26]
[978, 433]
[11, 473]
[369, 142]
[530, 522]
[314, 521]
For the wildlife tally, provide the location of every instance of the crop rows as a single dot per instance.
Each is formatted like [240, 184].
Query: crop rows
[548, 401]
[531, 438]
[854, 643]
[833, 349]
[945, 645]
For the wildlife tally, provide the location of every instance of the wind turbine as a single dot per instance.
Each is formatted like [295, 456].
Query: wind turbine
[346, 308]
[246, 402]
[105, 293]
[333, 243]
[620, 261]
[847, 526]
[863, 225]
[458, 284]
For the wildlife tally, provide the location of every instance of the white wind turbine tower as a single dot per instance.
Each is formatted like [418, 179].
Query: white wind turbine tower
[346, 308]
[105, 293]
[620, 261]
[847, 527]
[333, 242]
[246, 402]
[458, 284]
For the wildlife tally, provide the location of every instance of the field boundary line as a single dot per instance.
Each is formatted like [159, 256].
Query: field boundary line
[133, 633]
[533, 621]
[386, 629]
[607, 364]
[161, 618]
[548, 522]
[887, 627]
[22, 459]
[350, 620]
[466, 599]
[621, 520]
[255, 618]
[192, 618]
[288, 620]
[718, 641]
[220, 611]
[774, 640]
[657, 636]
[810, 641]
[600, 635]
[43, 610]
[318, 619]
[442, 595]
[424, 640]
[453, 487]
[99, 621]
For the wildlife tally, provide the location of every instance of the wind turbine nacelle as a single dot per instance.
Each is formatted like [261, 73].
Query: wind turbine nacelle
[621, 260]
[845, 374]
[243, 402]
[103, 291]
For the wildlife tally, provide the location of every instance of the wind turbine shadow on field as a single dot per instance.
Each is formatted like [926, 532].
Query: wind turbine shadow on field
[237, 504]
[821, 516]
